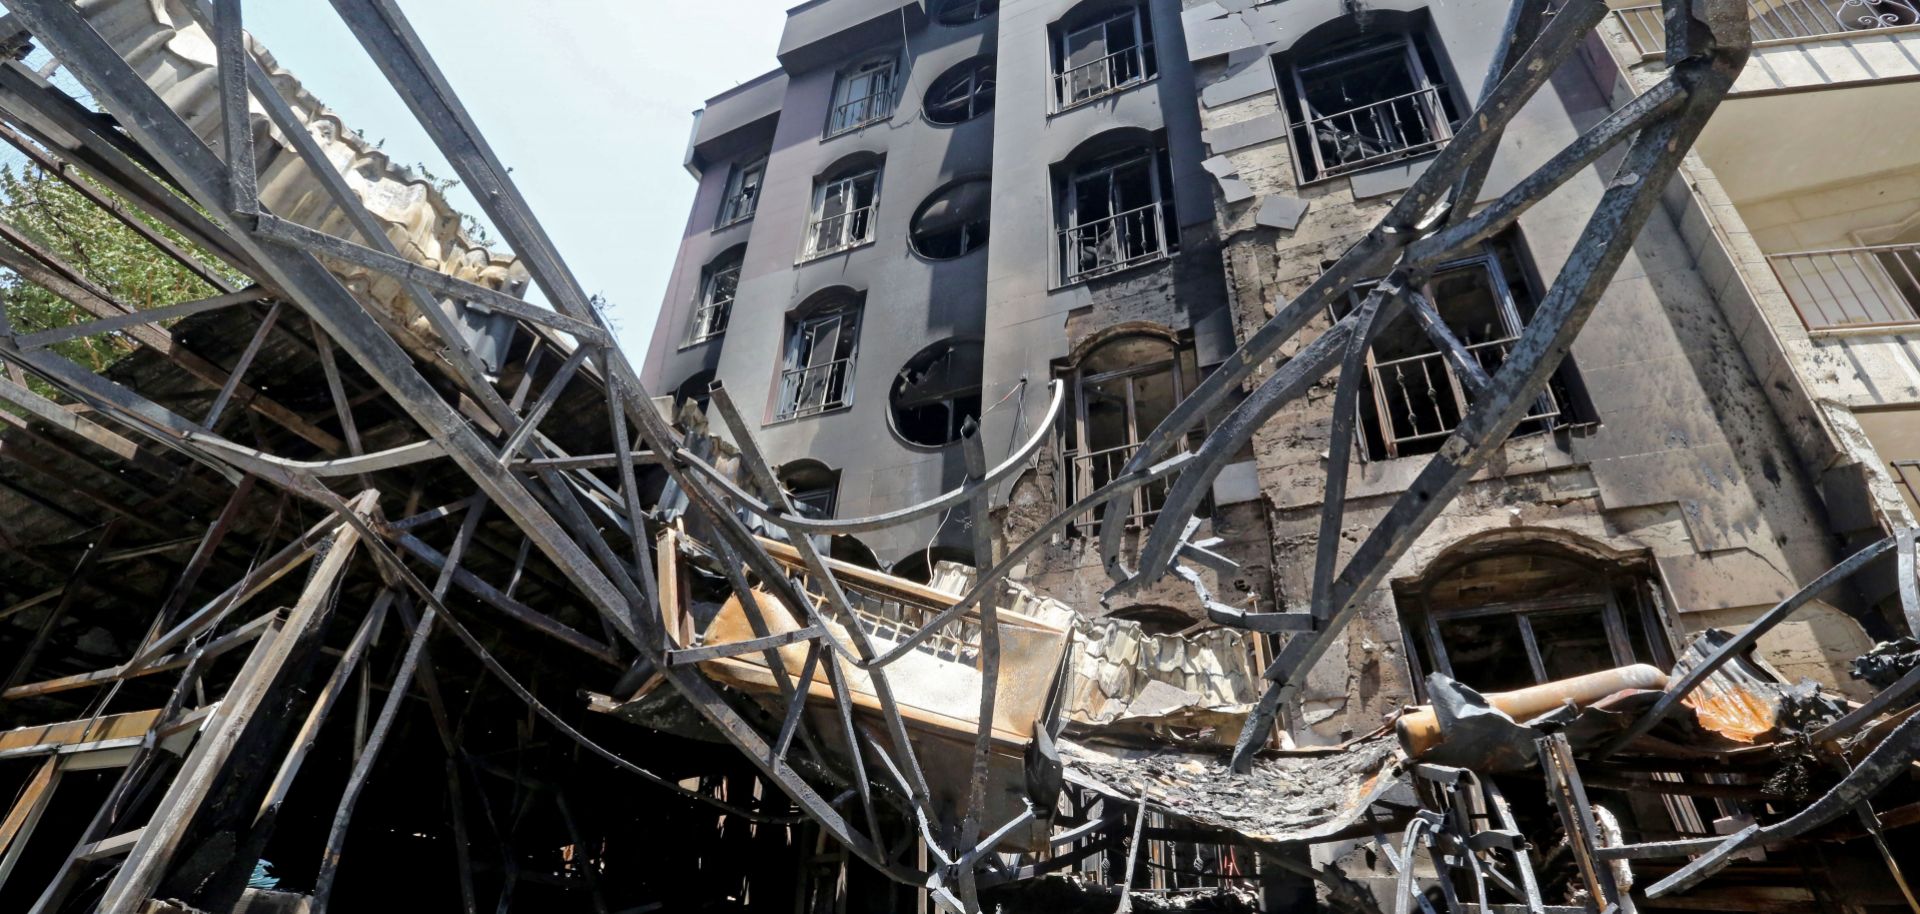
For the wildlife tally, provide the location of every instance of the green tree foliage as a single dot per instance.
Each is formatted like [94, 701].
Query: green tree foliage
[113, 256]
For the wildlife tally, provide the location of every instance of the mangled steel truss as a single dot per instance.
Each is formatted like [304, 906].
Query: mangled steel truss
[145, 151]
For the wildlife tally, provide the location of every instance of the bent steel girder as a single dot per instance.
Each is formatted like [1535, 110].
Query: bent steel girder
[560, 508]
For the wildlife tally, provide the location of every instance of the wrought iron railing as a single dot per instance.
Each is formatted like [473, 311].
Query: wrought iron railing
[1114, 243]
[1089, 471]
[1420, 398]
[1377, 133]
[857, 113]
[738, 207]
[1852, 287]
[839, 232]
[1780, 20]
[1099, 78]
[815, 389]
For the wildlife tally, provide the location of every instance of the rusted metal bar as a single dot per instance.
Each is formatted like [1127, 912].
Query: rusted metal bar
[1576, 815]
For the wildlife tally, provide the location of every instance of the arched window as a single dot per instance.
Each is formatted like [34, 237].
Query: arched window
[1365, 99]
[937, 392]
[718, 283]
[1100, 52]
[961, 12]
[953, 220]
[817, 372]
[1512, 617]
[1114, 211]
[844, 201]
[812, 485]
[863, 94]
[962, 93]
[1120, 392]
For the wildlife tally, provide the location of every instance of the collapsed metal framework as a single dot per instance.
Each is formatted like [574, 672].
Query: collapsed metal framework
[596, 535]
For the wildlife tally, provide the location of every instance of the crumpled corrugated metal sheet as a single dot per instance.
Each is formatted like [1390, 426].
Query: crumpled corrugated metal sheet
[1202, 684]
[1288, 798]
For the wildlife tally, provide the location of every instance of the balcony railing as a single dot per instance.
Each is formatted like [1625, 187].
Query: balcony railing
[859, 112]
[1088, 472]
[710, 320]
[1780, 20]
[816, 389]
[839, 232]
[1419, 398]
[738, 207]
[1377, 133]
[1099, 78]
[1115, 243]
[1852, 287]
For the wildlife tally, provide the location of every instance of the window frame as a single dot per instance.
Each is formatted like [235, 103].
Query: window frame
[945, 16]
[1434, 104]
[973, 67]
[1142, 54]
[1181, 360]
[705, 307]
[731, 213]
[1549, 411]
[816, 214]
[841, 99]
[797, 349]
[1067, 214]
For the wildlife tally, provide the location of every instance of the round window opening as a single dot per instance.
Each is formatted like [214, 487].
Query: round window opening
[936, 393]
[962, 93]
[961, 12]
[953, 222]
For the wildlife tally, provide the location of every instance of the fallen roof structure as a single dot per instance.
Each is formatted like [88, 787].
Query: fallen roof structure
[374, 512]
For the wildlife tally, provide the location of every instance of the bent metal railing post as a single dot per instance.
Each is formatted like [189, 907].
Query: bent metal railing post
[568, 514]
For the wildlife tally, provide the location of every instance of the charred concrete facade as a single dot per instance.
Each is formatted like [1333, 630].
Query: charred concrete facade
[1683, 456]
[1062, 116]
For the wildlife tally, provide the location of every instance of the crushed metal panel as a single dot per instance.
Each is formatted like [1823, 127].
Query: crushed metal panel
[1293, 797]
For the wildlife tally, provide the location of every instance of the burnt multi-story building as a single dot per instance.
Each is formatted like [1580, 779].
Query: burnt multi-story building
[929, 213]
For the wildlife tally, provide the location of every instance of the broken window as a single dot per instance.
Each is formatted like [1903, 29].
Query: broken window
[1412, 397]
[1365, 102]
[1121, 390]
[813, 486]
[1100, 55]
[843, 212]
[1523, 617]
[962, 93]
[1115, 214]
[718, 283]
[743, 193]
[863, 94]
[953, 221]
[937, 392]
[961, 12]
[818, 373]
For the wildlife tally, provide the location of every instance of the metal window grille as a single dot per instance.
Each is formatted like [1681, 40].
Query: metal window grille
[716, 302]
[843, 214]
[1101, 59]
[819, 366]
[1852, 287]
[743, 194]
[1780, 20]
[863, 96]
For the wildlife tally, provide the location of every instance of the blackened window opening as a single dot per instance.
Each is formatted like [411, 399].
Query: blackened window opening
[937, 393]
[1367, 102]
[953, 221]
[719, 283]
[1115, 214]
[1121, 391]
[818, 372]
[813, 486]
[743, 193]
[962, 93]
[843, 213]
[1094, 59]
[862, 95]
[1412, 398]
[961, 12]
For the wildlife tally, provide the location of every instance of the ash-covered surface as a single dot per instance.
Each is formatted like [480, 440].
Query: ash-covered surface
[1060, 894]
[1287, 797]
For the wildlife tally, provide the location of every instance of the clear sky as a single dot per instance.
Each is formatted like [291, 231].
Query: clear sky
[589, 102]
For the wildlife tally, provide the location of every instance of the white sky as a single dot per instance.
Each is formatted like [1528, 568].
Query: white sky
[589, 102]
